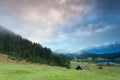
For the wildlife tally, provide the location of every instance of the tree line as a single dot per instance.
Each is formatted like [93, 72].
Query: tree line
[95, 57]
[20, 48]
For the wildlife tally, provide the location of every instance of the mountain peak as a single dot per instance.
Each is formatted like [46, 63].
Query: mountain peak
[106, 48]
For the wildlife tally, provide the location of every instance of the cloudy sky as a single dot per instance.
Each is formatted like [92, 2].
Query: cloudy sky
[68, 25]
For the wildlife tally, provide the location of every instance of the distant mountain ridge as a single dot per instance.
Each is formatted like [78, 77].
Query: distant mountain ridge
[109, 48]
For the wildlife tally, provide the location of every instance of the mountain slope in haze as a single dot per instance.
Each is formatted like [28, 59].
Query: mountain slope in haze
[110, 48]
[110, 52]
[23, 49]
[62, 51]
[4, 31]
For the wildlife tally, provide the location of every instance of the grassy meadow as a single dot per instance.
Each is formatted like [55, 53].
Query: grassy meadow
[16, 71]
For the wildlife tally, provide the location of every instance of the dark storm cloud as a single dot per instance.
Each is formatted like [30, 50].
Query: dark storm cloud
[108, 11]
[104, 15]
[108, 5]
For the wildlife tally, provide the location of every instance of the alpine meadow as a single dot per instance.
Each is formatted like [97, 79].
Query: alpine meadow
[59, 40]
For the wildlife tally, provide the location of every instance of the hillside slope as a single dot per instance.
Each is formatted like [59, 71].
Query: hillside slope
[7, 59]
[23, 49]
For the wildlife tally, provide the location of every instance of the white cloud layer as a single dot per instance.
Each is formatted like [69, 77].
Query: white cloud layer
[39, 20]
[52, 21]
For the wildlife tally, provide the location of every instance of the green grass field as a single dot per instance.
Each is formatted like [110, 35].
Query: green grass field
[15, 71]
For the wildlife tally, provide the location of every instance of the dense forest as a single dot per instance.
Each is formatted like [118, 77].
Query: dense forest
[20, 48]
